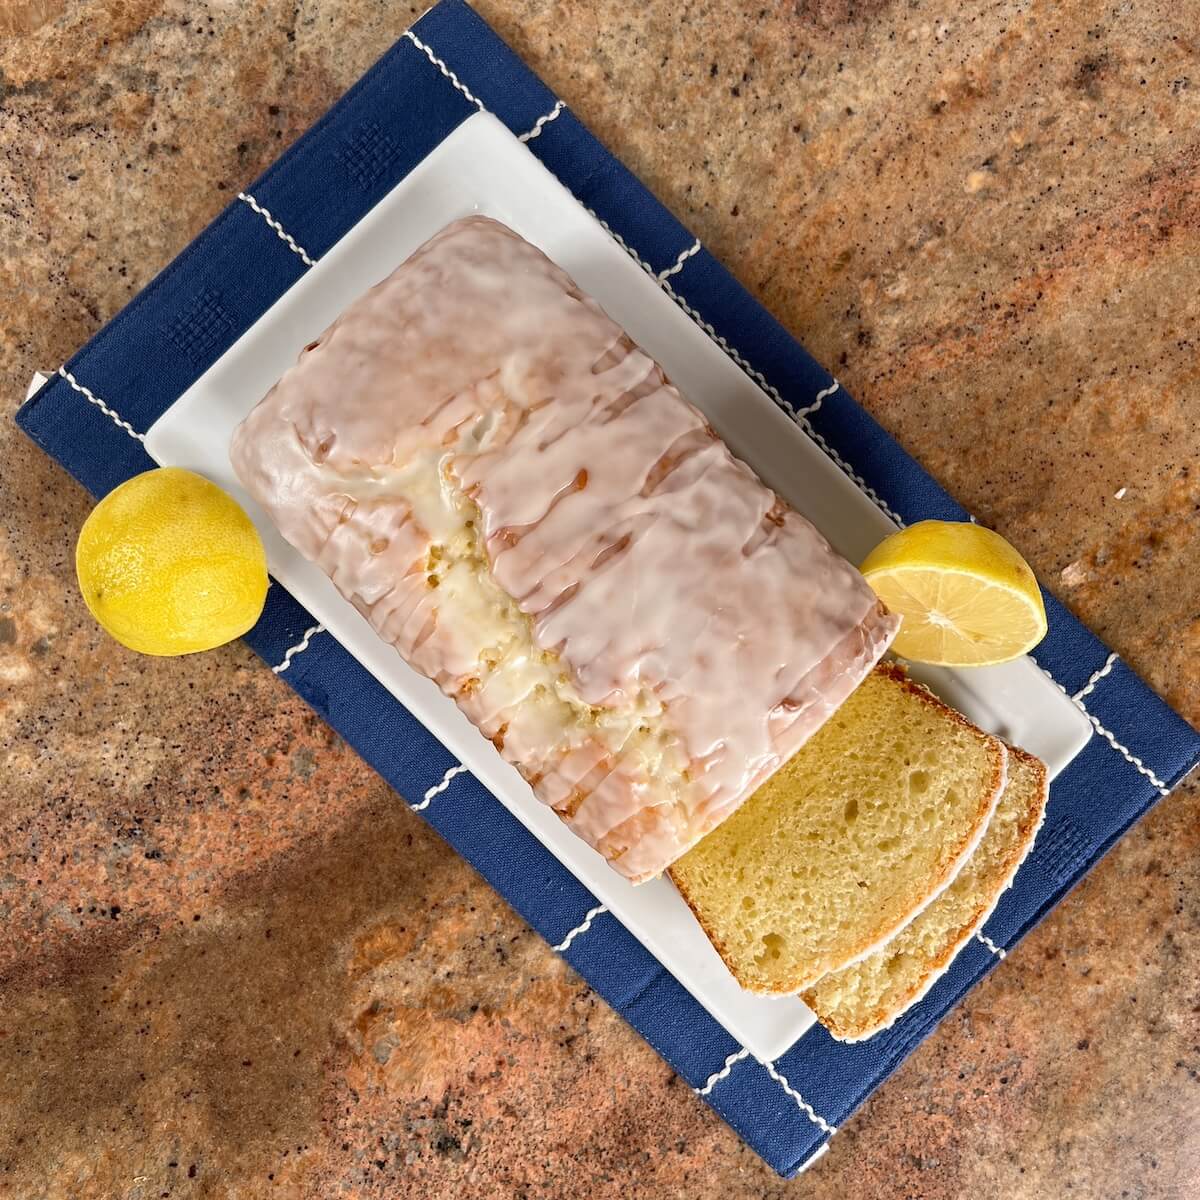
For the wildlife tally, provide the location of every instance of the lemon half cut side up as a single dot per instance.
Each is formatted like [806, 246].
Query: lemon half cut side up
[965, 596]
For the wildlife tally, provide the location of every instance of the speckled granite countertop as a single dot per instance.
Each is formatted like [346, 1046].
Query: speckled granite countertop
[233, 965]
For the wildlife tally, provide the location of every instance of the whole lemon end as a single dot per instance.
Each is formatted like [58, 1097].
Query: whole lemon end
[170, 564]
[965, 596]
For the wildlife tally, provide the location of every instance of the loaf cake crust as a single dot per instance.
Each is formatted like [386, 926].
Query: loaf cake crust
[516, 497]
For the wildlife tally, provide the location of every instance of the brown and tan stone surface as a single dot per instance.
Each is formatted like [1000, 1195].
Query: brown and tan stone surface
[233, 965]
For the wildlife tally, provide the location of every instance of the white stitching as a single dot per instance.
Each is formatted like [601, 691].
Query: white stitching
[582, 927]
[1163, 790]
[987, 941]
[1095, 677]
[280, 232]
[717, 1076]
[616, 237]
[822, 1149]
[813, 1115]
[684, 255]
[438, 788]
[863, 486]
[445, 70]
[779, 1078]
[541, 123]
[89, 395]
[750, 370]
[1124, 751]
[818, 400]
[298, 648]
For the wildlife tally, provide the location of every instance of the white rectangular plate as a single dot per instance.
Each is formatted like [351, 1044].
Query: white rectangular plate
[482, 168]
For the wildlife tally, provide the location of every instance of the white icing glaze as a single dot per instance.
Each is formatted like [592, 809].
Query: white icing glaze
[517, 498]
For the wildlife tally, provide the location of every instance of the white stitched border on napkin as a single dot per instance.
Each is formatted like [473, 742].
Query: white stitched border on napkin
[541, 123]
[445, 70]
[280, 232]
[582, 927]
[92, 398]
[805, 1107]
[298, 648]
[438, 788]
[716, 1077]
[987, 941]
[1095, 677]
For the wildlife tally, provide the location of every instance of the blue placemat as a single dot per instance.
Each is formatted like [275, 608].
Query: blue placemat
[92, 414]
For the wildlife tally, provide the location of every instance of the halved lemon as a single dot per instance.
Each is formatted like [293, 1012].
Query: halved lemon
[967, 598]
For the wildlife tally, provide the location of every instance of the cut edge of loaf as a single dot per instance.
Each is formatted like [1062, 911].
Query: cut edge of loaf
[989, 800]
[988, 808]
[1030, 826]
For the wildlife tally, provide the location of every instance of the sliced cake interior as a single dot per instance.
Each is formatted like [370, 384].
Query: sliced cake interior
[849, 840]
[864, 998]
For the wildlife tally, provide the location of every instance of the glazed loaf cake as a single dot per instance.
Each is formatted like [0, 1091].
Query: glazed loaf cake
[514, 495]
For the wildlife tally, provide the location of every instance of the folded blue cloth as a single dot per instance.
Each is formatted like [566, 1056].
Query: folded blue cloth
[92, 414]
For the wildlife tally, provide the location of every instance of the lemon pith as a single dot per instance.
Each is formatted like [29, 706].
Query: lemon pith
[967, 598]
[169, 564]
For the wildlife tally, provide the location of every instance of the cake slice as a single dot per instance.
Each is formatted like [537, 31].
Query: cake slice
[849, 840]
[864, 998]
[516, 497]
